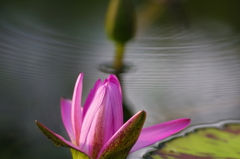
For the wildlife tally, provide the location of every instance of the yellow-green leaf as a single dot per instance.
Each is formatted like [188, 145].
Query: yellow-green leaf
[204, 143]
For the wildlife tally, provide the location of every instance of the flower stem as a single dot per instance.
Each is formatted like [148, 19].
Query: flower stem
[119, 54]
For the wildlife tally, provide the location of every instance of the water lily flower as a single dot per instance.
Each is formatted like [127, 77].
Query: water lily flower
[97, 131]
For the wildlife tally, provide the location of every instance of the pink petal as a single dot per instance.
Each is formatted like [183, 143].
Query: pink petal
[119, 145]
[114, 79]
[66, 105]
[90, 97]
[59, 140]
[158, 132]
[88, 127]
[104, 117]
[76, 113]
[113, 105]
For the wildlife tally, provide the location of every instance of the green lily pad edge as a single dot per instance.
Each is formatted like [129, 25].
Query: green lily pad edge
[219, 140]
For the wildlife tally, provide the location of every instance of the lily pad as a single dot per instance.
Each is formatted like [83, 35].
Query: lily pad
[210, 141]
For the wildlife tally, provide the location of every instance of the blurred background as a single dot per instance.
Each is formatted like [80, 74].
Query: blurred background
[183, 62]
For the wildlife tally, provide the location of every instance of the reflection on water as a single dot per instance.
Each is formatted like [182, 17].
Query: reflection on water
[190, 73]
[175, 72]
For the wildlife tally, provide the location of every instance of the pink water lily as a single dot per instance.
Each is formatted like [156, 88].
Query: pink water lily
[96, 130]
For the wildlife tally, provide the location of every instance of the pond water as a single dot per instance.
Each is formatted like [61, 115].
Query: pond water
[183, 62]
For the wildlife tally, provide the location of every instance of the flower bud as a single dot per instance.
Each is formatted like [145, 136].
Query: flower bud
[120, 21]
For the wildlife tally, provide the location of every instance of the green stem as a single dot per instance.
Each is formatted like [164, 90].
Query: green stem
[118, 66]
[119, 54]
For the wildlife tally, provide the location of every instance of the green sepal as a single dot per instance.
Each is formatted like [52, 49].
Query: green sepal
[60, 141]
[120, 21]
[119, 146]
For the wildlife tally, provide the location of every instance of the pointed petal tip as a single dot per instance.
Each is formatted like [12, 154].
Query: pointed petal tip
[80, 74]
[141, 113]
[79, 79]
[185, 121]
[112, 78]
[64, 100]
[38, 124]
